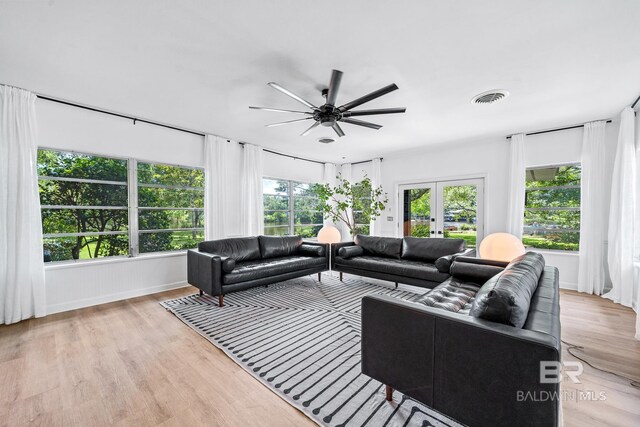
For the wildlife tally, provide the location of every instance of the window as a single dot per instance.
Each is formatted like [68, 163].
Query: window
[361, 199]
[84, 205]
[86, 200]
[291, 207]
[170, 207]
[552, 208]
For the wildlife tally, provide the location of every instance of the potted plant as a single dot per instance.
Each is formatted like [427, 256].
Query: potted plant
[342, 202]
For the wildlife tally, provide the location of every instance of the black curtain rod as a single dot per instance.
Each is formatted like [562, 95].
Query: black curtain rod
[149, 122]
[134, 119]
[555, 130]
[635, 102]
[365, 161]
[293, 157]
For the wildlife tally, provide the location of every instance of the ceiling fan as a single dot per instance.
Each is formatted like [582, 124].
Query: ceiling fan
[329, 114]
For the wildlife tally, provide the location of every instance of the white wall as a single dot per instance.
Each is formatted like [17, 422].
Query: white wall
[276, 166]
[85, 283]
[489, 159]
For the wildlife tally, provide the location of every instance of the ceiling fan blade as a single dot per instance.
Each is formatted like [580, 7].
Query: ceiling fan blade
[287, 92]
[306, 132]
[373, 95]
[338, 129]
[288, 122]
[361, 123]
[372, 112]
[279, 110]
[334, 86]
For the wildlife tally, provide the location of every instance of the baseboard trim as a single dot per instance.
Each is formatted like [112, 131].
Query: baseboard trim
[103, 299]
[568, 285]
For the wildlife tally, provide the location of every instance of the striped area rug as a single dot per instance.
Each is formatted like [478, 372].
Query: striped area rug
[301, 338]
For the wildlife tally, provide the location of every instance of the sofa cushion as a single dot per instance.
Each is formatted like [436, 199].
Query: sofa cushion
[429, 249]
[544, 310]
[506, 297]
[389, 247]
[238, 248]
[252, 270]
[406, 268]
[278, 246]
[451, 295]
[350, 251]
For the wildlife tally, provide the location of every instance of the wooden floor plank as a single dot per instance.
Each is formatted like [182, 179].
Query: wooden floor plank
[132, 363]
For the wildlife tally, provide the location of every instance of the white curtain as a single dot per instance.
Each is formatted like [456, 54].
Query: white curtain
[517, 171]
[22, 290]
[345, 172]
[216, 174]
[622, 217]
[329, 177]
[375, 226]
[593, 193]
[252, 210]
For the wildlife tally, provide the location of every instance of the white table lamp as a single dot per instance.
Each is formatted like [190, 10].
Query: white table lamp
[330, 235]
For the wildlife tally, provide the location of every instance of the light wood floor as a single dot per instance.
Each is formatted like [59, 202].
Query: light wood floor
[133, 363]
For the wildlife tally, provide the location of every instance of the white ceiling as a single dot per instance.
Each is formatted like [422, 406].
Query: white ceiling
[200, 64]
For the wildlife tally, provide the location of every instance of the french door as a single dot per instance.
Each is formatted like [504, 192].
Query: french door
[439, 209]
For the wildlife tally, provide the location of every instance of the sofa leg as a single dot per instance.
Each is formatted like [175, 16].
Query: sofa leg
[319, 277]
[389, 392]
[396, 285]
[341, 276]
[201, 292]
[220, 300]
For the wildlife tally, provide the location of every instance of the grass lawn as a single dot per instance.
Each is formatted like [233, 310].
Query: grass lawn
[468, 236]
[541, 242]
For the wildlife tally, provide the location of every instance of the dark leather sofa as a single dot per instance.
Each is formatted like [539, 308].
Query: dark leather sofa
[472, 347]
[218, 267]
[412, 260]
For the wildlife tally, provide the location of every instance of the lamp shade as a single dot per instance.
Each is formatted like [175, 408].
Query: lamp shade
[501, 247]
[329, 234]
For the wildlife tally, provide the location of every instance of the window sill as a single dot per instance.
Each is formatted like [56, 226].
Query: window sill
[112, 260]
[554, 252]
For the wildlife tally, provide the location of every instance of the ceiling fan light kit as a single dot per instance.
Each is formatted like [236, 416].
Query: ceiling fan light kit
[328, 114]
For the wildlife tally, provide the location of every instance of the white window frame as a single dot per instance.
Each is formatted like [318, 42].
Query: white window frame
[132, 208]
[135, 240]
[291, 210]
[549, 209]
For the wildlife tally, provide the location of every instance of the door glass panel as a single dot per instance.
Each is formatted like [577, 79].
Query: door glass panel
[417, 212]
[460, 213]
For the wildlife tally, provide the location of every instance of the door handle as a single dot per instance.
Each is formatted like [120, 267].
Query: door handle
[439, 232]
[433, 232]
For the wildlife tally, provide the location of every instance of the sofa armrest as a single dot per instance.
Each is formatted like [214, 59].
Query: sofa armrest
[469, 368]
[443, 264]
[482, 261]
[471, 272]
[312, 249]
[335, 247]
[204, 271]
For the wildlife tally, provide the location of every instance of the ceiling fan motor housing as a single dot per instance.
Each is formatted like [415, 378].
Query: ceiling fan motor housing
[327, 115]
